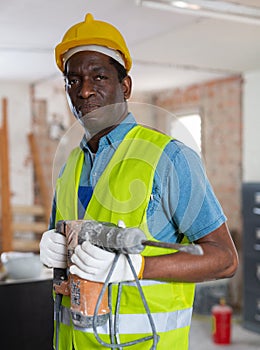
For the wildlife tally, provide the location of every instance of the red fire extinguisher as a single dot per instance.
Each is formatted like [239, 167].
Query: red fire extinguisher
[221, 323]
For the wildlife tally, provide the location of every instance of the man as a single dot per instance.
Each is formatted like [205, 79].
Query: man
[132, 176]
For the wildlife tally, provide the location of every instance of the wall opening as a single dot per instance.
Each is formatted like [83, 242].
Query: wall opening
[187, 128]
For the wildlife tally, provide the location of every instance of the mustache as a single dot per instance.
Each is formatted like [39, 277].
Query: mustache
[102, 118]
[91, 109]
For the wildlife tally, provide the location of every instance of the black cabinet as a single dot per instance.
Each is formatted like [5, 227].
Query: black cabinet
[251, 256]
[26, 315]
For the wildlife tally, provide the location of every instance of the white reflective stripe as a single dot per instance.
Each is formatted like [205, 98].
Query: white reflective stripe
[139, 323]
[144, 283]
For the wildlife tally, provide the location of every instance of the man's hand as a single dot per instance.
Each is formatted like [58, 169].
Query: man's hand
[93, 264]
[53, 249]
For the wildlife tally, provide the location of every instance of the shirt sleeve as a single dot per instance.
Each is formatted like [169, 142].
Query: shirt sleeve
[188, 197]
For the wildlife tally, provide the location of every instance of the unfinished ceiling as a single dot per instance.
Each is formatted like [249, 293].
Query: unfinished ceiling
[169, 47]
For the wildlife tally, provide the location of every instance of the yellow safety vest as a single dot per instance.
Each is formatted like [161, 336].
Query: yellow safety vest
[123, 193]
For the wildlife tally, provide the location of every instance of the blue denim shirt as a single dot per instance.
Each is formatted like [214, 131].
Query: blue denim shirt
[182, 200]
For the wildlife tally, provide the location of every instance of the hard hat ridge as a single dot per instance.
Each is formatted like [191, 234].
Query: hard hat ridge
[93, 32]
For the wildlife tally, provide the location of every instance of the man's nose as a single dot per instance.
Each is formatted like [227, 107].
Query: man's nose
[87, 88]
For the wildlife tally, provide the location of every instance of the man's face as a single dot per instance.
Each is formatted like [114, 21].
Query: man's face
[95, 95]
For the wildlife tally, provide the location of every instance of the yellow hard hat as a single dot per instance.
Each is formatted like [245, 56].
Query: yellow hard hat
[92, 32]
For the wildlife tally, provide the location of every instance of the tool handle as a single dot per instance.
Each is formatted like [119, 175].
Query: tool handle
[60, 276]
[194, 249]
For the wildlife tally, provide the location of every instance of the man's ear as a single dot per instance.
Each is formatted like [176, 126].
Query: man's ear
[127, 87]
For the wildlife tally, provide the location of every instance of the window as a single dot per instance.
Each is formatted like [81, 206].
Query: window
[187, 128]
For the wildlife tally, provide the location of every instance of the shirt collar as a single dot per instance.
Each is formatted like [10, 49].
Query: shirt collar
[115, 136]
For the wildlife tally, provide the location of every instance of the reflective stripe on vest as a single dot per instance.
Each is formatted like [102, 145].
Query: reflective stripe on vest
[139, 324]
[123, 193]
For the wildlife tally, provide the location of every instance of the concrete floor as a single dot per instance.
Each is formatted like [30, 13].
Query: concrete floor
[201, 339]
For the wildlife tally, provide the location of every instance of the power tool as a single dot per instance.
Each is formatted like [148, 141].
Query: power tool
[89, 300]
[83, 293]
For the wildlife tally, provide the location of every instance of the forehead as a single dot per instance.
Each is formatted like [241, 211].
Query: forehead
[86, 60]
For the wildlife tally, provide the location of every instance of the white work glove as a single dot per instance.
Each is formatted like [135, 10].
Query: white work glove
[93, 264]
[53, 249]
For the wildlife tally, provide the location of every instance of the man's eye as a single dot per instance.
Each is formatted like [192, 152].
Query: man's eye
[100, 77]
[72, 81]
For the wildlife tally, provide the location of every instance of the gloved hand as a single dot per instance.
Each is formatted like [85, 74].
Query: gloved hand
[93, 264]
[53, 249]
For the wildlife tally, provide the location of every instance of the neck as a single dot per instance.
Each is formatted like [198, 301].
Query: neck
[93, 142]
[93, 139]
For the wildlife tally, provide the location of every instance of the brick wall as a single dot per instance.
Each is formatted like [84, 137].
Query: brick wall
[219, 103]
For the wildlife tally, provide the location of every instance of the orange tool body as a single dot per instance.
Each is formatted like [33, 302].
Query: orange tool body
[83, 293]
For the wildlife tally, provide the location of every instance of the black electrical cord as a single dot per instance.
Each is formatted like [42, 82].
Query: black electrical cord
[115, 332]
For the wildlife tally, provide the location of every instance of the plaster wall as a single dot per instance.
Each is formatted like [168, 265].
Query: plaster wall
[19, 125]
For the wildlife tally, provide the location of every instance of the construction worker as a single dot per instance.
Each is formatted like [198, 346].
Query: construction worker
[129, 174]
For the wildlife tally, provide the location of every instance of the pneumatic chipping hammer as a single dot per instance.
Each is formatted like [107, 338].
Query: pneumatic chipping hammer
[85, 295]
[112, 238]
